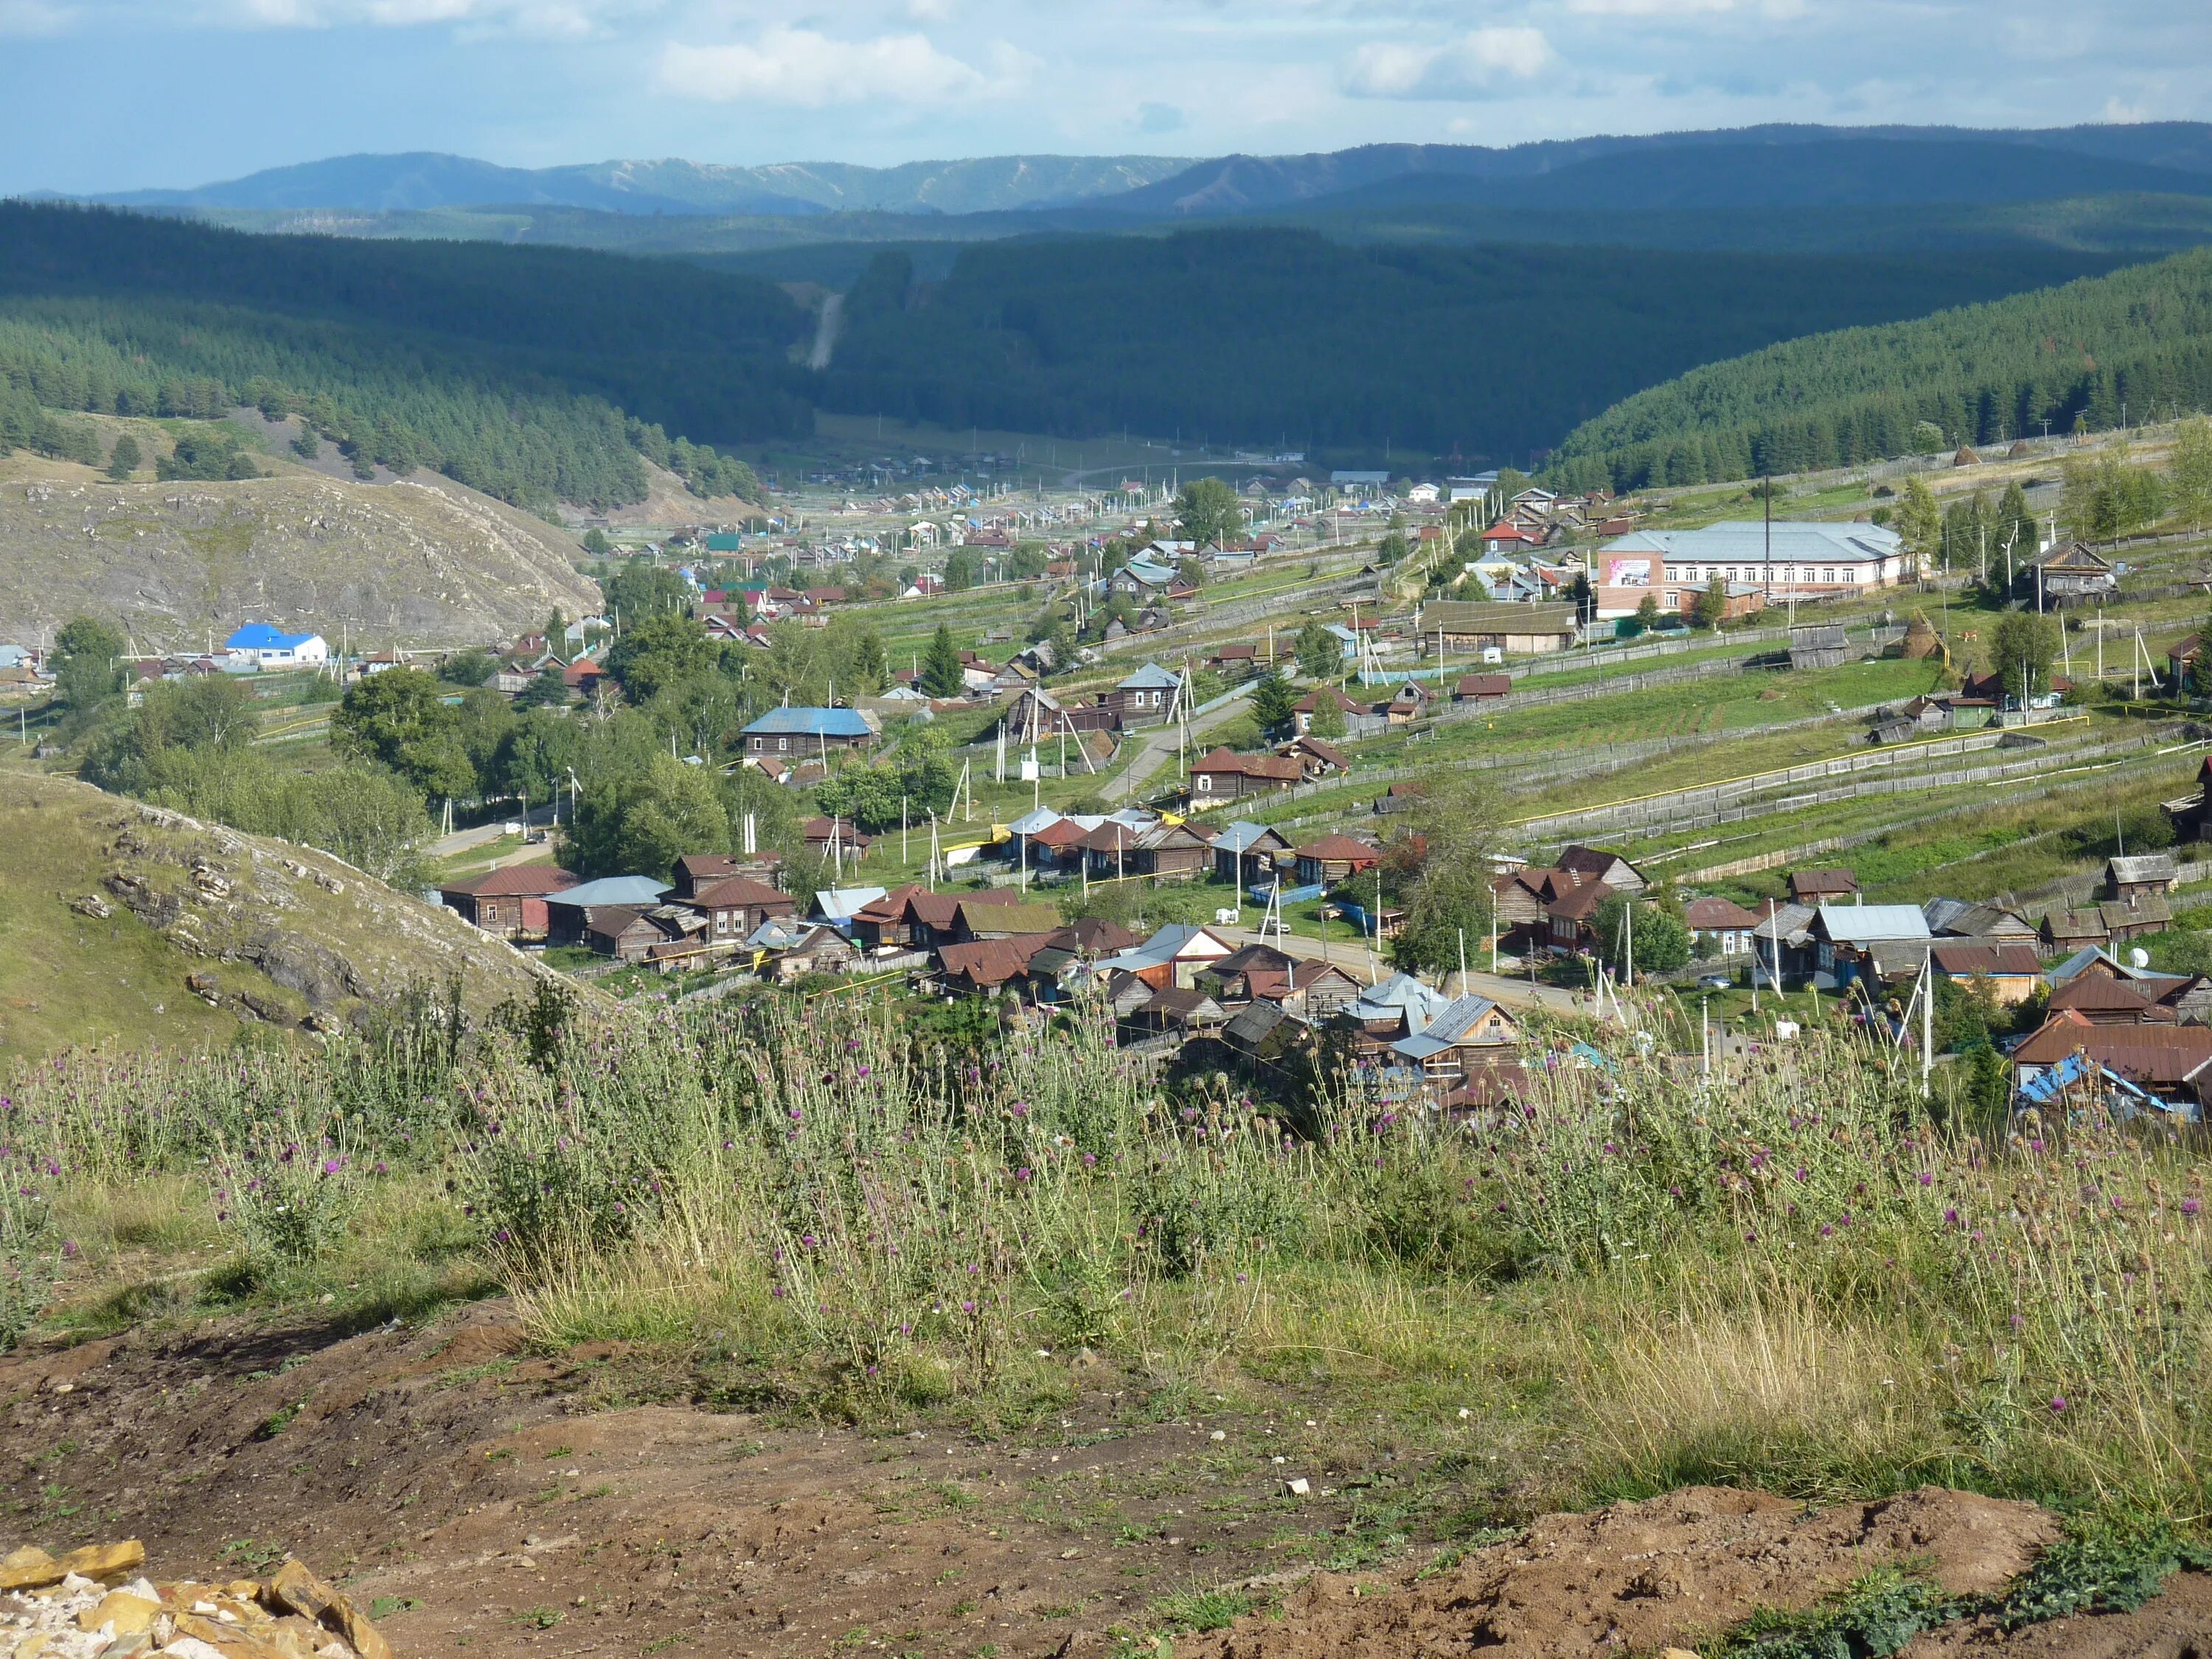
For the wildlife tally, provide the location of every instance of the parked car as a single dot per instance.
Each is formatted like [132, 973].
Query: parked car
[1715, 981]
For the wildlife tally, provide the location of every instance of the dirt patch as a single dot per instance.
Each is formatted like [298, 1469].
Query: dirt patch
[1638, 1577]
[488, 1503]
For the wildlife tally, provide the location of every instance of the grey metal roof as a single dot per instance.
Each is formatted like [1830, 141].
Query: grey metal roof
[1150, 677]
[612, 889]
[1741, 541]
[2143, 867]
[1240, 836]
[1862, 924]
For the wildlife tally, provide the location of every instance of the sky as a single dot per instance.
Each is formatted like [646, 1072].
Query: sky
[114, 94]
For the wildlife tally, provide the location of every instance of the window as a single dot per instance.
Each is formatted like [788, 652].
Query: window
[1828, 574]
[781, 744]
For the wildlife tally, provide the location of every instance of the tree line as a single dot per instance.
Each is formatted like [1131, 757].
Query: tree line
[2136, 344]
[1267, 335]
[531, 378]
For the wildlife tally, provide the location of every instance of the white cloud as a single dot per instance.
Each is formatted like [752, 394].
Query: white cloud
[1480, 65]
[32, 17]
[810, 70]
[556, 19]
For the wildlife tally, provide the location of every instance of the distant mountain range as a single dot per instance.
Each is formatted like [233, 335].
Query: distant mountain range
[424, 180]
[1772, 168]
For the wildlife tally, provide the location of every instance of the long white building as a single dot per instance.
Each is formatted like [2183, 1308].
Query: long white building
[1805, 559]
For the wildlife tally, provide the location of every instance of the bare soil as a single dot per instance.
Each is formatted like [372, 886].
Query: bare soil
[488, 1503]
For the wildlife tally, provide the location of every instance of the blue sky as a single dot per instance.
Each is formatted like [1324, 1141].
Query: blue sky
[107, 94]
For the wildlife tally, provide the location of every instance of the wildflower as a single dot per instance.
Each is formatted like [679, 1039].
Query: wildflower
[2058, 1402]
[1928, 1177]
[968, 1307]
[2191, 1206]
[1951, 1217]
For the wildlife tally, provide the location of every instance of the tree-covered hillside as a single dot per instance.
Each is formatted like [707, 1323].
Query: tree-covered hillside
[509, 369]
[1266, 335]
[2141, 337]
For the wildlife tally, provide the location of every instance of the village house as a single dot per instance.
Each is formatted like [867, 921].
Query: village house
[1719, 927]
[2166, 1062]
[1385, 1014]
[841, 837]
[1816, 887]
[2144, 875]
[1225, 774]
[974, 919]
[810, 732]
[2070, 573]
[509, 900]
[1490, 690]
[2103, 1000]
[1459, 1037]
[1247, 854]
[1844, 938]
[1317, 759]
[736, 906]
[1614, 871]
[1471, 625]
[1408, 703]
[1150, 697]
[1302, 711]
[983, 966]
[1174, 955]
[1334, 858]
[568, 913]
[1175, 852]
[2011, 971]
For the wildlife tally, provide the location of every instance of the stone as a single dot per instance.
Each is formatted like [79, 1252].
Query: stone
[127, 1614]
[294, 1588]
[105, 1560]
[353, 1624]
[28, 1569]
[191, 1647]
[1297, 1488]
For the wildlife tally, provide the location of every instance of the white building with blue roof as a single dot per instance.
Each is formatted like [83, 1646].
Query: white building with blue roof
[259, 646]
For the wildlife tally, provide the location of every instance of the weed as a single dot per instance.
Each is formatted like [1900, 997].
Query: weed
[1203, 1610]
[384, 1607]
[255, 1556]
[539, 1618]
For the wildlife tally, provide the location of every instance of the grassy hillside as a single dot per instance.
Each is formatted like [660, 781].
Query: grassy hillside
[531, 373]
[420, 561]
[118, 921]
[1265, 335]
[2142, 334]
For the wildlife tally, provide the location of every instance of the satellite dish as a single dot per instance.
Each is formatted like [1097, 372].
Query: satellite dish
[2138, 957]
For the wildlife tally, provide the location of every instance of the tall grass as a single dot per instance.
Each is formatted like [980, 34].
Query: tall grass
[1793, 1273]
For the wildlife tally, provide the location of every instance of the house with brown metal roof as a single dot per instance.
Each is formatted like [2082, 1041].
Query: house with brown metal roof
[1482, 688]
[2168, 1061]
[736, 905]
[1818, 887]
[987, 964]
[1334, 858]
[509, 900]
[2012, 972]
[1225, 774]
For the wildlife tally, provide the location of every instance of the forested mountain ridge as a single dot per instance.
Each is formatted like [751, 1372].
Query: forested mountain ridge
[1242, 183]
[426, 179]
[2141, 337]
[1248, 334]
[534, 374]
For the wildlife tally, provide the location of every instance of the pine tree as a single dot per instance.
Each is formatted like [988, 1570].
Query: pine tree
[941, 675]
[1272, 700]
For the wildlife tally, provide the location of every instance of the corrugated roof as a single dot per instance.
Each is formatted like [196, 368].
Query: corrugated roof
[1150, 677]
[612, 889]
[1863, 924]
[2007, 959]
[2152, 1054]
[1242, 836]
[812, 722]
[513, 880]
[1746, 541]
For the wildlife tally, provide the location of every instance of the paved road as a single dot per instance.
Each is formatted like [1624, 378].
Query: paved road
[462, 840]
[1157, 747]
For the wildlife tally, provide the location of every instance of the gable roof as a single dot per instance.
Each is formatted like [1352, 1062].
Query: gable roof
[1716, 914]
[2143, 867]
[810, 723]
[1338, 848]
[742, 891]
[1243, 836]
[515, 881]
[1150, 677]
[2152, 1054]
[1008, 918]
[1484, 685]
[2009, 960]
[612, 889]
[991, 961]
[1862, 924]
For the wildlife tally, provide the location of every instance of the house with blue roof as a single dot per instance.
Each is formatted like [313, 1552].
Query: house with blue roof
[259, 646]
[803, 732]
